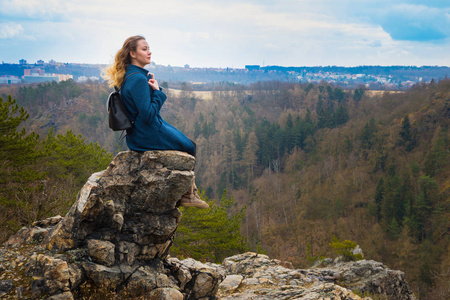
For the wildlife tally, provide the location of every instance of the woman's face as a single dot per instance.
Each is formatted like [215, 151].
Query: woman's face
[141, 57]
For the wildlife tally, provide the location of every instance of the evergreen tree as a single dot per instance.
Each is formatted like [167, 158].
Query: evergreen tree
[308, 88]
[408, 195]
[391, 196]
[393, 229]
[19, 175]
[211, 234]
[298, 132]
[249, 156]
[358, 94]
[289, 135]
[379, 195]
[421, 214]
[338, 94]
[270, 146]
[308, 125]
[69, 155]
[17, 147]
[289, 122]
[438, 158]
[340, 116]
[406, 135]
[325, 114]
[368, 135]
[330, 92]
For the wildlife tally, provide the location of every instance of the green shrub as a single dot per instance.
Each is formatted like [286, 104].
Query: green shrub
[344, 249]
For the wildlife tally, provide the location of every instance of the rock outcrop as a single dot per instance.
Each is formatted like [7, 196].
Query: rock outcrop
[114, 239]
[257, 277]
[114, 242]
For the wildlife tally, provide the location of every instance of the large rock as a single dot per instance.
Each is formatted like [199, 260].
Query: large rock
[256, 276]
[367, 277]
[130, 204]
[114, 243]
[114, 239]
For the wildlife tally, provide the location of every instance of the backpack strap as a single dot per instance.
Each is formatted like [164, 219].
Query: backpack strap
[123, 83]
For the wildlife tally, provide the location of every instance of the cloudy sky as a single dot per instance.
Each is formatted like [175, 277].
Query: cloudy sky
[230, 33]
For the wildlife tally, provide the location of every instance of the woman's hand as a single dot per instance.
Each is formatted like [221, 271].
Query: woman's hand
[153, 83]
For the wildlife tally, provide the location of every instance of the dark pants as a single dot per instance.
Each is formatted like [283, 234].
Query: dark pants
[195, 147]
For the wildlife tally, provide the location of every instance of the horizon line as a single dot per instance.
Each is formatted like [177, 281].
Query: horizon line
[255, 65]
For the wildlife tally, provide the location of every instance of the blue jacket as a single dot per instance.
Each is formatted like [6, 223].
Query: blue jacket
[150, 131]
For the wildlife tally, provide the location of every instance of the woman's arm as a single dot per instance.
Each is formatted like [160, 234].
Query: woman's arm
[148, 104]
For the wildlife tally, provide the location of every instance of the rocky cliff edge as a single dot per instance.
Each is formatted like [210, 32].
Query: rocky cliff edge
[115, 239]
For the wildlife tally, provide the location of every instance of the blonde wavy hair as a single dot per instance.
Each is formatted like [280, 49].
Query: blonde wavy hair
[116, 72]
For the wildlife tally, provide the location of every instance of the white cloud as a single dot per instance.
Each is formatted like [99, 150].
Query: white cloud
[33, 9]
[223, 33]
[10, 30]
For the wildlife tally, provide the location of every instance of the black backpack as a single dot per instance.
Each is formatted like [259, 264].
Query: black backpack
[117, 113]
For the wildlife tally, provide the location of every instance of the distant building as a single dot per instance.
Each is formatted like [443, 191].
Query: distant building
[34, 72]
[9, 79]
[186, 66]
[40, 62]
[252, 67]
[38, 75]
[63, 77]
[37, 78]
[22, 62]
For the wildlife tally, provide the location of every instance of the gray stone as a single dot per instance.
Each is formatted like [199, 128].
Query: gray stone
[205, 283]
[145, 279]
[184, 276]
[104, 277]
[51, 275]
[231, 282]
[61, 296]
[117, 222]
[204, 279]
[48, 222]
[101, 252]
[165, 294]
[368, 276]
[128, 252]
[75, 276]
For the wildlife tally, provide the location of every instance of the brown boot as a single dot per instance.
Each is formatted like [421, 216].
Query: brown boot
[191, 198]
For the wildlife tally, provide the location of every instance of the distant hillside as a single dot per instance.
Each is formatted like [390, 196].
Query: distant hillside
[312, 161]
[307, 161]
[77, 70]
[372, 77]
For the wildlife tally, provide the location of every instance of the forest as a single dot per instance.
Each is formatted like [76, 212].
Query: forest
[287, 165]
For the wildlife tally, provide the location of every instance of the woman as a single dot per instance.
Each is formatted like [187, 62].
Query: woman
[143, 99]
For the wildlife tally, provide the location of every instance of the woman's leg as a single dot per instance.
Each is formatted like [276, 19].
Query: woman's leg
[174, 139]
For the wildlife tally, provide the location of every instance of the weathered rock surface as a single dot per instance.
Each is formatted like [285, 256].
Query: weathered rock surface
[114, 240]
[255, 276]
[114, 243]
[367, 277]
[130, 204]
